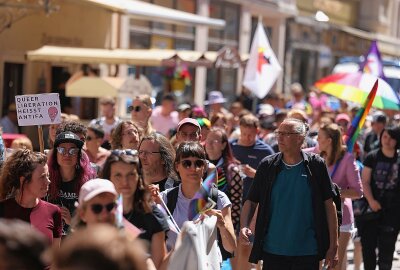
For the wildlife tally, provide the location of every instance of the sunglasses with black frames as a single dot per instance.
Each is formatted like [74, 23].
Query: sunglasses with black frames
[134, 108]
[187, 163]
[98, 208]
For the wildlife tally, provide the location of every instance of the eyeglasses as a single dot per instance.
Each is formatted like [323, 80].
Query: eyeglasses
[134, 108]
[98, 208]
[127, 152]
[187, 163]
[130, 132]
[284, 134]
[65, 151]
[146, 153]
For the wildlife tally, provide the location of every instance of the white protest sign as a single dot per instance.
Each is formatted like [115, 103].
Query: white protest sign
[36, 110]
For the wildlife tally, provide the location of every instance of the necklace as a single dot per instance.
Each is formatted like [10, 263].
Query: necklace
[289, 167]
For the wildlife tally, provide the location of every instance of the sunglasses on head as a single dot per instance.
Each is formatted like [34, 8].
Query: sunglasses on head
[98, 208]
[65, 151]
[187, 163]
[127, 152]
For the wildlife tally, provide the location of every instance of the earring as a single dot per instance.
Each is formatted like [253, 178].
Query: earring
[77, 166]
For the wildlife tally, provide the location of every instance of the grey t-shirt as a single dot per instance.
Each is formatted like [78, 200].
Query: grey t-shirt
[180, 213]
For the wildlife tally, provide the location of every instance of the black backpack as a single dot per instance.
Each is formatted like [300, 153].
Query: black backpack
[338, 203]
[172, 198]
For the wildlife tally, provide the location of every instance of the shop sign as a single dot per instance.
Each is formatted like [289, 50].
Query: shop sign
[228, 57]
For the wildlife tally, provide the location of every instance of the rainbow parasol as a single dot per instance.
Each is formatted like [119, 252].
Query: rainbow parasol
[355, 87]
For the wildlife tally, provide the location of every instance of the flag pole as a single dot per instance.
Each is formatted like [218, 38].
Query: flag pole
[169, 213]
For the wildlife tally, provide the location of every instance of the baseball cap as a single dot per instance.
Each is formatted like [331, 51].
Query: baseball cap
[94, 187]
[190, 121]
[184, 107]
[342, 116]
[68, 137]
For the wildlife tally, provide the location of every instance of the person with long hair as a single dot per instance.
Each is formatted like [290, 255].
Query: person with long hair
[344, 172]
[122, 169]
[24, 181]
[69, 169]
[126, 135]
[190, 163]
[141, 110]
[381, 177]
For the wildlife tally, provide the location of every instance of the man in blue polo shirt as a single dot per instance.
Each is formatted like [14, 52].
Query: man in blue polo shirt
[249, 150]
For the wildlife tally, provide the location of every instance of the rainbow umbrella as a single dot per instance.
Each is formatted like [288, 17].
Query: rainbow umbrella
[355, 87]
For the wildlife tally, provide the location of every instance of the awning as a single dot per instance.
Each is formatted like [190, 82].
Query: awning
[97, 87]
[150, 57]
[143, 10]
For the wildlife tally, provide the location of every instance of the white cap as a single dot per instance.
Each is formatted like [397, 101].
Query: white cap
[94, 187]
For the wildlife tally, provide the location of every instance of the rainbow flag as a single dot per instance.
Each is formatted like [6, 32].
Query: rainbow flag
[359, 119]
[202, 201]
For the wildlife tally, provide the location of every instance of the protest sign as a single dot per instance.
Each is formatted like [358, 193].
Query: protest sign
[40, 109]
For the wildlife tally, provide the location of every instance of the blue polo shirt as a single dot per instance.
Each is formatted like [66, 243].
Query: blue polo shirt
[291, 229]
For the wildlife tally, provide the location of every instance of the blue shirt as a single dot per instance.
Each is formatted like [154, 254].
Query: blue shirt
[252, 156]
[291, 230]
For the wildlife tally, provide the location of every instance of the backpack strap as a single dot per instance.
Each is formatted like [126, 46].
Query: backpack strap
[172, 198]
[214, 194]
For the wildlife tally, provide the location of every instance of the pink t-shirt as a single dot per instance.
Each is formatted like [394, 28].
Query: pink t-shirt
[163, 124]
[347, 176]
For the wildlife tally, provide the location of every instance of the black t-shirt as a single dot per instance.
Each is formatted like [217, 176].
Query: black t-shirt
[149, 223]
[67, 197]
[384, 177]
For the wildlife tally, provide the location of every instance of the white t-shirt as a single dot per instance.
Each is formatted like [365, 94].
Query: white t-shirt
[106, 127]
[180, 213]
[163, 123]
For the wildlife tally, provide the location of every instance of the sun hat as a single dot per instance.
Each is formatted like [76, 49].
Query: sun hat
[68, 137]
[215, 97]
[94, 187]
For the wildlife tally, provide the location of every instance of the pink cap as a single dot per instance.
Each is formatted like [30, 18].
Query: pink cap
[94, 187]
[342, 116]
[188, 121]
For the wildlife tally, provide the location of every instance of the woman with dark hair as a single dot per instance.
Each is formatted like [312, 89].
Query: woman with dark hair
[380, 177]
[190, 163]
[141, 110]
[220, 154]
[69, 169]
[344, 172]
[126, 135]
[24, 181]
[122, 169]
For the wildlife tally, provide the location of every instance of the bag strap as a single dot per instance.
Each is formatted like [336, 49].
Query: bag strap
[335, 168]
[172, 198]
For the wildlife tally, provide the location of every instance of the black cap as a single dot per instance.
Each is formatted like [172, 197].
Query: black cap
[68, 137]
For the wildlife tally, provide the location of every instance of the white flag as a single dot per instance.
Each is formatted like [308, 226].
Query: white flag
[262, 68]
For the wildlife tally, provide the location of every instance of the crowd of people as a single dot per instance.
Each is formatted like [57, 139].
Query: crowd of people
[115, 193]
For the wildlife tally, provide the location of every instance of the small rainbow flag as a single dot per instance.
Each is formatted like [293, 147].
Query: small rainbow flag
[359, 119]
[202, 201]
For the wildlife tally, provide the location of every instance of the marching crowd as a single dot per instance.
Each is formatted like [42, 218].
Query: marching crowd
[273, 192]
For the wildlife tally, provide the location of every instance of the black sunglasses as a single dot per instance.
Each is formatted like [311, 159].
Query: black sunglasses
[98, 208]
[134, 108]
[127, 152]
[187, 163]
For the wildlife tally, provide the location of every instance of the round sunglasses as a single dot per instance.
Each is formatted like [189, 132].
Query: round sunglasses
[98, 208]
[187, 163]
[68, 151]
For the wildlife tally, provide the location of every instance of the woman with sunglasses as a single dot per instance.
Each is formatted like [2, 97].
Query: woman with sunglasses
[126, 135]
[69, 169]
[190, 163]
[24, 181]
[141, 110]
[344, 172]
[97, 204]
[122, 168]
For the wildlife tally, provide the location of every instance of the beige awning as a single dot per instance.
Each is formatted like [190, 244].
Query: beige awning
[152, 12]
[97, 87]
[151, 57]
